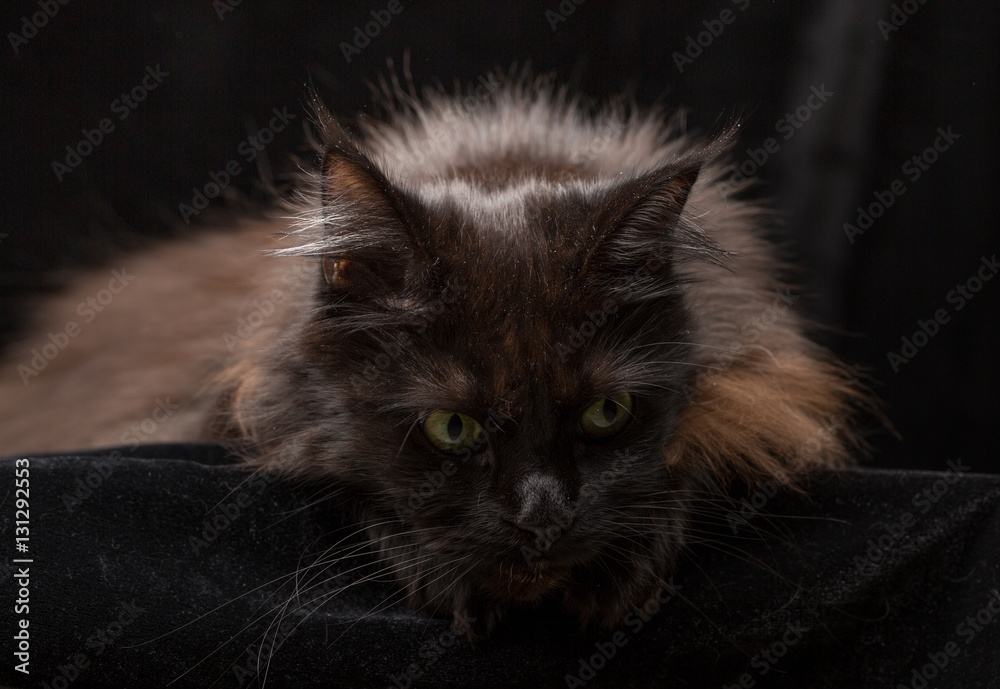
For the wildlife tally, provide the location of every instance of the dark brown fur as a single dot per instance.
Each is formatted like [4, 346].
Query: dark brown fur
[514, 262]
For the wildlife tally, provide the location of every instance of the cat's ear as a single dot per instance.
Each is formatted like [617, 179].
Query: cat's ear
[640, 222]
[368, 245]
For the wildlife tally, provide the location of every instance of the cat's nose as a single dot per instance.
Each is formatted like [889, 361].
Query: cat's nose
[544, 504]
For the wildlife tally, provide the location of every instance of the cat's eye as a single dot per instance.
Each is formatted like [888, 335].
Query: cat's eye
[452, 431]
[607, 416]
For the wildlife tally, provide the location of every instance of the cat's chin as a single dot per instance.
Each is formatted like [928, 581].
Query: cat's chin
[526, 584]
[603, 592]
[600, 589]
[606, 603]
[597, 596]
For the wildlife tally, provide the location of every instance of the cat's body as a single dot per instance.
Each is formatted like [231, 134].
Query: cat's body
[169, 322]
[523, 339]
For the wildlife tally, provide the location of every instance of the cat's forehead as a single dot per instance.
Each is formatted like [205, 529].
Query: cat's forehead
[521, 328]
[522, 204]
[513, 365]
[526, 231]
[512, 340]
[509, 251]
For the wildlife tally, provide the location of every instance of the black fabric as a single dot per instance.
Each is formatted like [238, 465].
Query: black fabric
[172, 564]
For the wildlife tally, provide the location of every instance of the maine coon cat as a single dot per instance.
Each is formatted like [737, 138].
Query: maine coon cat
[526, 339]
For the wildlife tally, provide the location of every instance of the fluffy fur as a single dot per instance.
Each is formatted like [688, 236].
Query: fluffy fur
[511, 258]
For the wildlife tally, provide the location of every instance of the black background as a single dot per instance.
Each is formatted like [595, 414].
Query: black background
[891, 95]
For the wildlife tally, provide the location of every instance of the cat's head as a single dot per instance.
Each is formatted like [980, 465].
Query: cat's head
[497, 360]
[499, 366]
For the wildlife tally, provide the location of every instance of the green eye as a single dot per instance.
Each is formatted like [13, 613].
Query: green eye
[451, 431]
[607, 416]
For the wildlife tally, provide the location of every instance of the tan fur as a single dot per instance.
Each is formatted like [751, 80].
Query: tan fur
[157, 344]
[765, 417]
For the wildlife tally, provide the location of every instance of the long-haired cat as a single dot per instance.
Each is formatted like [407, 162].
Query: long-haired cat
[524, 337]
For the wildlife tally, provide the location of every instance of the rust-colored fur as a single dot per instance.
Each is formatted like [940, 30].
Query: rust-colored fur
[757, 418]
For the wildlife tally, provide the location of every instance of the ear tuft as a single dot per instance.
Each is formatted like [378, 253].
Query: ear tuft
[639, 224]
[351, 180]
[676, 188]
[370, 249]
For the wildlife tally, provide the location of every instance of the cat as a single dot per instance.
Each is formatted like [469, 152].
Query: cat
[526, 339]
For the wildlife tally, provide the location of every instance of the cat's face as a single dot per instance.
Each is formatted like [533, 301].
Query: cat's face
[531, 376]
[500, 372]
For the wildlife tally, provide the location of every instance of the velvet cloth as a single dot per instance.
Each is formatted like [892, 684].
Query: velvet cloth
[172, 563]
